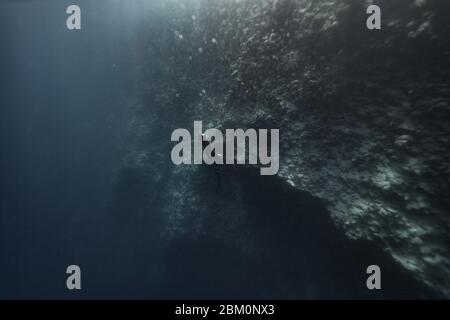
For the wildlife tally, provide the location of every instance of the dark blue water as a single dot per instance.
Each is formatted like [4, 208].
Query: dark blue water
[63, 99]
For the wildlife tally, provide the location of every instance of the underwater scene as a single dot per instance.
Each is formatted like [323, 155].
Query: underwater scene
[225, 149]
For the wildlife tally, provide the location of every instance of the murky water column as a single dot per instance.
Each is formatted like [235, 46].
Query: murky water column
[63, 109]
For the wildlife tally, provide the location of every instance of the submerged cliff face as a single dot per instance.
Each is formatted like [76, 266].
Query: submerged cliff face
[363, 118]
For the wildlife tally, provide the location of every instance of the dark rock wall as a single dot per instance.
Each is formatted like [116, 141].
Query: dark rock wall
[363, 118]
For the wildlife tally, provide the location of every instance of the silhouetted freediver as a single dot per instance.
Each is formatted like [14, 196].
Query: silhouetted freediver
[216, 167]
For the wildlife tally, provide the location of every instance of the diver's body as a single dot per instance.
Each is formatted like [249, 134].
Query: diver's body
[216, 167]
